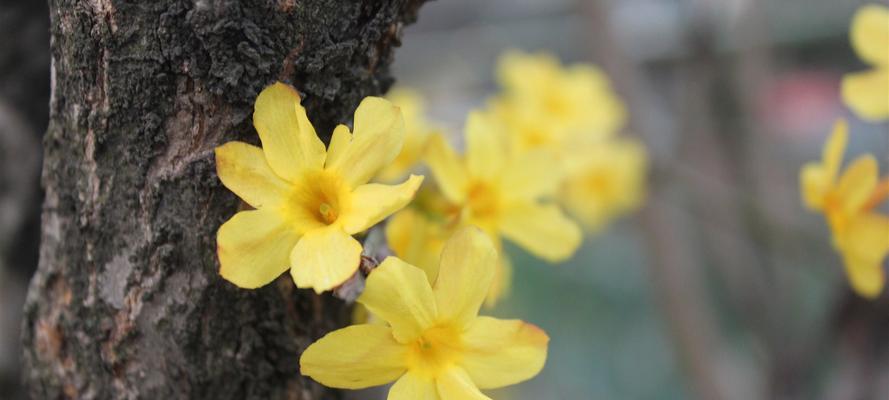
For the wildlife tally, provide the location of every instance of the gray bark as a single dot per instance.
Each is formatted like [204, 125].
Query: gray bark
[127, 301]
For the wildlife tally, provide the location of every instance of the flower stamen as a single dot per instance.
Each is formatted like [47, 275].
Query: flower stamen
[328, 214]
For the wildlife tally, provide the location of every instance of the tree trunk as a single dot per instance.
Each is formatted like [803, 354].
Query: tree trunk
[127, 301]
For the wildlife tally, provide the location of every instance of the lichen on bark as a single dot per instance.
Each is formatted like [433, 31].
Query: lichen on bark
[127, 302]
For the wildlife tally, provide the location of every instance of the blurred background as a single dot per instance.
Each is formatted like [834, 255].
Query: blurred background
[721, 287]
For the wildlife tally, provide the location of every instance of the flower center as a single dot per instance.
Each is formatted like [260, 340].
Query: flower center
[556, 104]
[836, 216]
[327, 213]
[599, 183]
[483, 201]
[435, 350]
[535, 137]
[318, 199]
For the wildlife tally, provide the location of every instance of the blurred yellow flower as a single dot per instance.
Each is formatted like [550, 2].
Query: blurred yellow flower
[417, 238]
[559, 102]
[308, 200]
[435, 346]
[503, 193]
[848, 202]
[867, 92]
[604, 180]
[417, 133]
[417, 235]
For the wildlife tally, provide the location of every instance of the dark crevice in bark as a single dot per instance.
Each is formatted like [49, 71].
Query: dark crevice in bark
[127, 302]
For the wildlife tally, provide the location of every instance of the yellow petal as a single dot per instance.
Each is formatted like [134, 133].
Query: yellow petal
[242, 168]
[814, 185]
[288, 138]
[339, 141]
[417, 240]
[414, 146]
[523, 72]
[866, 238]
[253, 247]
[543, 230]
[857, 183]
[834, 147]
[409, 101]
[414, 387]
[373, 202]
[598, 106]
[324, 258]
[867, 93]
[502, 279]
[468, 263]
[377, 138]
[531, 176]
[866, 278]
[503, 352]
[484, 152]
[447, 168]
[455, 384]
[400, 294]
[355, 357]
[870, 34]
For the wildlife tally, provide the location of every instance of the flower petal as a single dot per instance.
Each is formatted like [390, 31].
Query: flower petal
[371, 203]
[243, 169]
[400, 294]
[447, 168]
[413, 387]
[288, 138]
[484, 149]
[503, 352]
[468, 264]
[857, 183]
[866, 93]
[377, 138]
[502, 279]
[866, 238]
[417, 239]
[870, 34]
[866, 278]
[543, 230]
[530, 176]
[253, 247]
[355, 357]
[814, 185]
[455, 384]
[834, 147]
[324, 258]
[339, 141]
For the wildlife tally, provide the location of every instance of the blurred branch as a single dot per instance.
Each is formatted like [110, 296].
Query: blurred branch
[675, 272]
[24, 96]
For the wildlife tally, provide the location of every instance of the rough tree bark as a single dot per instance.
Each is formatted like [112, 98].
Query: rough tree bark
[127, 302]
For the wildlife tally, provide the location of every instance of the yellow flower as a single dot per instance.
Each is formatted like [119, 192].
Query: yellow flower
[435, 347]
[417, 133]
[604, 180]
[308, 200]
[867, 92]
[417, 239]
[503, 193]
[529, 129]
[573, 100]
[848, 200]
